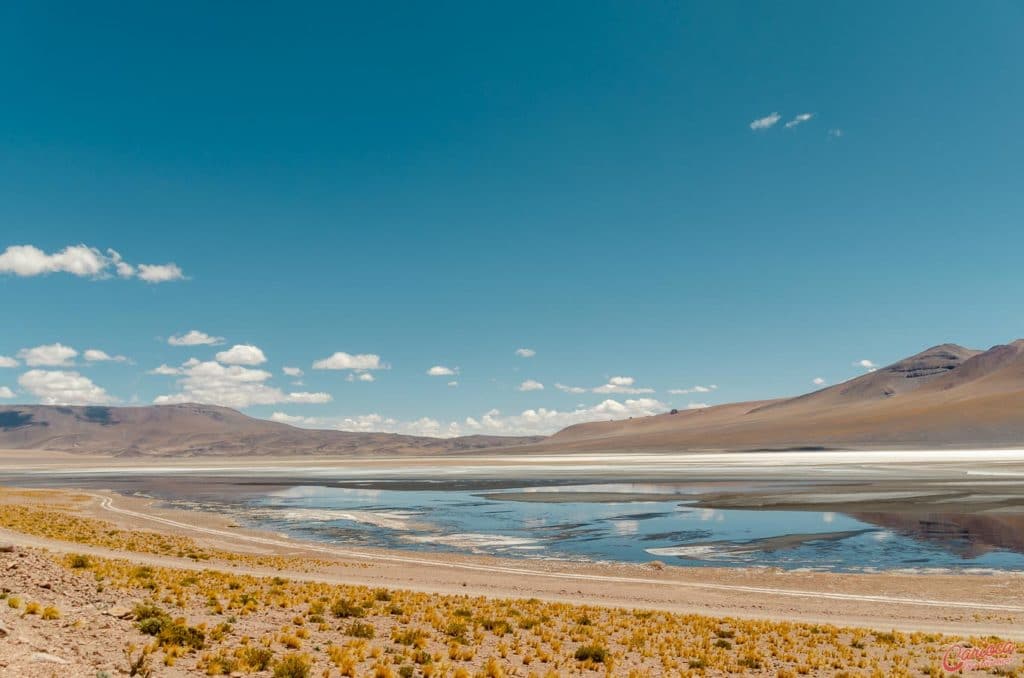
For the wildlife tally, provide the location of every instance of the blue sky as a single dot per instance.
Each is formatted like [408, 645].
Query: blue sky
[443, 184]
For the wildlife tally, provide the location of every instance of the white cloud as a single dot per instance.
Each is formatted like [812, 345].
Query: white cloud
[531, 385]
[453, 384]
[94, 355]
[158, 273]
[309, 398]
[6, 393]
[292, 371]
[697, 406]
[346, 361]
[28, 260]
[123, 268]
[621, 385]
[695, 389]
[529, 422]
[802, 118]
[294, 420]
[48, 355]
[442, 371]
[6, 361]
[543, 421]
[570, 389]
[818, 381]
[230, 385]
[525, 352]
[835, 132]
[80, 260]
[56, 387]
[360, 376]
[242, 354]
[866, 364]
[765, 122]
[166, 370]
[195, 338]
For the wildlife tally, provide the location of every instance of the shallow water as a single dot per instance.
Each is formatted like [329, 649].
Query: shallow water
[578, 520]
[638, 531]
[640, 510]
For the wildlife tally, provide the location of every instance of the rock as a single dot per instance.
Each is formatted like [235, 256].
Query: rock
[6, 548]
[4, 631]
[119, 612]
[46, 657]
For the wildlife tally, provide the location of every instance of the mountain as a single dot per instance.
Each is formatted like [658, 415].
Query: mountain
[946, 396]
[201, 430]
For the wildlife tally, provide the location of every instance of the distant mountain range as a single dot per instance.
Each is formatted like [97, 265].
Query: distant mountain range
[203, 430]
[946, 396]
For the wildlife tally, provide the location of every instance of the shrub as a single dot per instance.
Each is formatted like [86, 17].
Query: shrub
[409, 637]
[750, 662]
[360, 630]
[79, 561]
[292, 665]
[150, 619]
[594, 653]
[343, 608]
[177, 633]
[256, 658]
[496, 626]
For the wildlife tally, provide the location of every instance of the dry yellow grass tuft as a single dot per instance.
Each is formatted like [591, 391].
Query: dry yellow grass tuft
[410, 633]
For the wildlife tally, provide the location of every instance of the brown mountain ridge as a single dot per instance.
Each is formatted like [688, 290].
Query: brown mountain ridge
[947, 396]
[202, 430]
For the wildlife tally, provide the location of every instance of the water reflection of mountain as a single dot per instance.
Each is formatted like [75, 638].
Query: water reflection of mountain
[965, 535]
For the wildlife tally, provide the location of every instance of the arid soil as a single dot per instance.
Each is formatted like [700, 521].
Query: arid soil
[438, 616]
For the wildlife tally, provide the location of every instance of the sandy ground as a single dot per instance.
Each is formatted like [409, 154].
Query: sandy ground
[961, 604]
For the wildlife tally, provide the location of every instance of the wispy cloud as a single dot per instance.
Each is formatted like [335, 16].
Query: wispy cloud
[531, 385]
[765, 122]
[694, 389]
[818, 381]
[229, 385]
[540, 421]
[83, 261]
[525, 352]
[94, 355]
[800, 119]
[621, 385]
[348, 361]
[442, 371]
[195, 338]
[868, 365]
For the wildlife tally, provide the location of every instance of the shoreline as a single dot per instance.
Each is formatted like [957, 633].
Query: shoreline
[956, 603]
